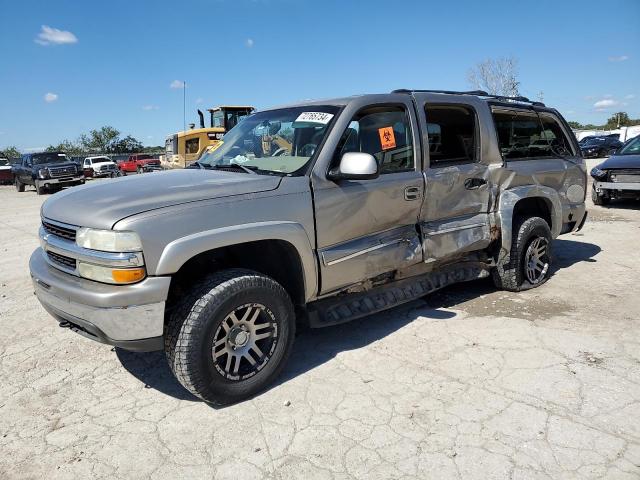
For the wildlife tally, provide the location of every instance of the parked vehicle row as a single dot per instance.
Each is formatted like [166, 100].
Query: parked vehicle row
[51, 171]
[374, 201]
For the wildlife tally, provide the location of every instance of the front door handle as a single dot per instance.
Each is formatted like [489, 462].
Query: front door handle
[474, 183]
[411, 193]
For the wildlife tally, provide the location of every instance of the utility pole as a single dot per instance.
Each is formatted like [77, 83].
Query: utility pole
[184, 105]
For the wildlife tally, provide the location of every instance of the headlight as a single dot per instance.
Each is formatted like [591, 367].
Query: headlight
[108, 240]
[43, 173]
[118, 276]
[597, 173]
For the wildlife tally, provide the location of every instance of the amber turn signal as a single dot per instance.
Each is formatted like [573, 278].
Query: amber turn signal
[129, 275]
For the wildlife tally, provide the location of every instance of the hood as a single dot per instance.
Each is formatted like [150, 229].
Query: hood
[620, 161]
[102, 204]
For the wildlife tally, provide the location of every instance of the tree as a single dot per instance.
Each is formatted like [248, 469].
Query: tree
[496, 76]
[126, 145]
[67, 146]
[575, 125]
[100, 141]
[10, 152]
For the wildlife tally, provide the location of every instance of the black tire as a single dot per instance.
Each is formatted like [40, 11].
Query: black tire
[197, 320]
[39, 189]
[509, 274]
[599, 199]
[19, 185]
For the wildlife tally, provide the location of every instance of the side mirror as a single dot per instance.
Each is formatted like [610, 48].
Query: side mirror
[355, 166]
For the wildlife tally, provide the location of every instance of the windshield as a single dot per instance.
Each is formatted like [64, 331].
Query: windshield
[277, 141]
[631, 148]
[594, 141]
[42, 158]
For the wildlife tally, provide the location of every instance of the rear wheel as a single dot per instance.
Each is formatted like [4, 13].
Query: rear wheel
[19, 185]
[529, 261]
[231, 337]
[599, 198]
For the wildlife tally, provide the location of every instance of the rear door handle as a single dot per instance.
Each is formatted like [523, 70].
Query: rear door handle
[474, 183]
[411, 193]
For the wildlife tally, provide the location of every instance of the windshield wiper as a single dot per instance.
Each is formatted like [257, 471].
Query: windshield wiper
[236, 166]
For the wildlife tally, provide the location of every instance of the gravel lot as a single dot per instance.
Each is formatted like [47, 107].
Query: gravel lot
[471, 383]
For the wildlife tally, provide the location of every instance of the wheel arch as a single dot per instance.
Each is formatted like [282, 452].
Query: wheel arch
[532, 200]
[279, 249]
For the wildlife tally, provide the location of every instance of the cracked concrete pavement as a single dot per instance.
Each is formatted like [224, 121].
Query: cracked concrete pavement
[468, 383]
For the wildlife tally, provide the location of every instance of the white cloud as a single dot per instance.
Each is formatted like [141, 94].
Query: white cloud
[631, 96]
[53, 36]
[607, 103]
[150, 107]
[249, 42]
[50, 97]
[176, 84]
[620, 58]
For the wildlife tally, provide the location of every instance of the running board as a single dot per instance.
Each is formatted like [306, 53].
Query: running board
[346, 307]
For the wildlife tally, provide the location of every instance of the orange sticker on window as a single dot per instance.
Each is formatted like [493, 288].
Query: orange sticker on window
[387, 138]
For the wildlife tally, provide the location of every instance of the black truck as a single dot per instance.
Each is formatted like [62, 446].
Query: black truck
[47, 171]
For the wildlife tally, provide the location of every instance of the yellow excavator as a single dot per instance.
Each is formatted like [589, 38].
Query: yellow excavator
[184, 148]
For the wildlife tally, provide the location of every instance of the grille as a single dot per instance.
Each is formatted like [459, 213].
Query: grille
[62, 260]
[67, 233]
[56, 172]
[107, 167]
[625, 176]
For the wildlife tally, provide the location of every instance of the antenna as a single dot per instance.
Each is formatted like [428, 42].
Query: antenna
[184, 105]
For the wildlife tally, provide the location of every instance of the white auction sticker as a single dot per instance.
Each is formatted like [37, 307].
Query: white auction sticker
[315, 117]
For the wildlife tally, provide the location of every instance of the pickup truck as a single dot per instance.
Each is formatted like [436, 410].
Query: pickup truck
[376, 201]
[46, 171]
[101, 166]
[139, 164]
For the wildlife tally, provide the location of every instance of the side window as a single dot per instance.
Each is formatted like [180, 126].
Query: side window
[87, 162]
[452, 134]
[385, 133]
[192, 145]
[523, 135]
[552, 132]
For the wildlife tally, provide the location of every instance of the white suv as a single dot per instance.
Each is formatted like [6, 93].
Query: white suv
[100, 167]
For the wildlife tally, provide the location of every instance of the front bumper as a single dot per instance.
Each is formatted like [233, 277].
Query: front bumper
[126, 316]
[616, 186]
[59, 181]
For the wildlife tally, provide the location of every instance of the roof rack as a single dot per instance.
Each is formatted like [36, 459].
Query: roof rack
[475, 93]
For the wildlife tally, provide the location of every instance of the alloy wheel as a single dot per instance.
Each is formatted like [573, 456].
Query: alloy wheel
[244, 341]
[536, 260]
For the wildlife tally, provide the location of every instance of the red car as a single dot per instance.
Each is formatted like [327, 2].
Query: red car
[139, 163]
[6, 176]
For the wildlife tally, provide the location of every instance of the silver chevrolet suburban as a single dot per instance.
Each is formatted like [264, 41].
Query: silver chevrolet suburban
[315, 214]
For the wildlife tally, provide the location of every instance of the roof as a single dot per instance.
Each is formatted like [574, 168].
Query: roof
[231, 107]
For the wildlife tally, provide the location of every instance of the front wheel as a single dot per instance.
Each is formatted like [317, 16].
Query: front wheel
[529, 261]
[139, 170]
[19, 185]
[231, 337]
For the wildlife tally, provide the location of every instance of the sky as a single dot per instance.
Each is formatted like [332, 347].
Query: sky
[67, 67]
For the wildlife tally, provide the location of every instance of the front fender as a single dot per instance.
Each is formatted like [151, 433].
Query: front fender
[508, 200]
[179, 251]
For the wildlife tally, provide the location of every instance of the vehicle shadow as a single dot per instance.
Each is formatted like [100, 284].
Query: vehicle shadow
[570, 252]
[314, 347]
[622, 204]
[151, 368]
